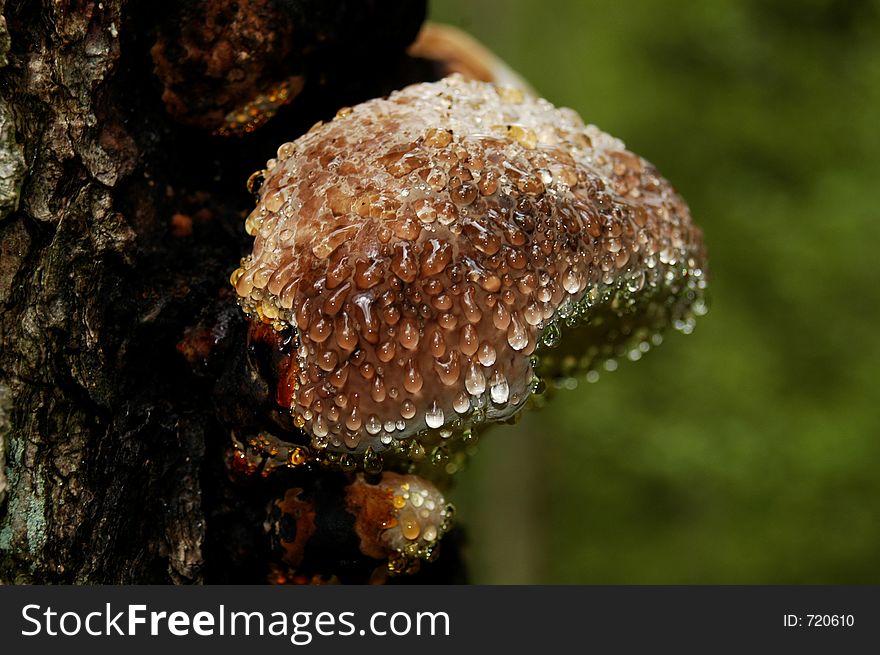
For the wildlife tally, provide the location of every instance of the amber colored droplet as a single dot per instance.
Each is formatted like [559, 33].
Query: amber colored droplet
[409, 526]
[354, 421]
[469, 341]
[346, 337]
[327, 360]
[469, 306]
[385, 352]
[304, 314]
[436, 257]
[377, 391]
[437, 343]
[447, 321]
[500, 317]
[448, 368]
[408, 228]
[446, 212]
[425, 211]
[320, 330]
[367, 371]
[412, 379]
[338, 274]
[340, 376]
[404, 263]
[491, 283]
[368, 320]
[464, 194]
[407, 409]
[437, 138]
[408, 334]
[488, 183]
[367, 274]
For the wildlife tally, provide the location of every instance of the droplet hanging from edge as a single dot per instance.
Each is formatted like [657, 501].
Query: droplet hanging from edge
[372, 461]
[474, 380]
[517, 336]
[434, 416]
[552, 335]
[373, 425]
[499, 389]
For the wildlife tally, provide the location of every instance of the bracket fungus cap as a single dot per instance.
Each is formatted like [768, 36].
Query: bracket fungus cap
[422, 246]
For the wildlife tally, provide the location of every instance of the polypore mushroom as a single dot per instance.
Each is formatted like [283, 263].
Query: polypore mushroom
[422, 247]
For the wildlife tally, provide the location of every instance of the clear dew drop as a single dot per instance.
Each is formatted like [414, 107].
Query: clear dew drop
[353, 422]
[319, 426]
[434, 416]
[407, 409]
[517, 336]
[474, 380]
[552, 335]
[461, 404]
[486, 354]
[373, 425]
[498, 388]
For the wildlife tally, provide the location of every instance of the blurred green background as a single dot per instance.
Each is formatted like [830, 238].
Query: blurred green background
[747, 452]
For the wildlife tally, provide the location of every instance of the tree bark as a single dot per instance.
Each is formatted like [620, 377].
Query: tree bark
[119, 228]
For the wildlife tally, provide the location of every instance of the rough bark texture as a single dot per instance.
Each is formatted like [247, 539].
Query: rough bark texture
[118, 229]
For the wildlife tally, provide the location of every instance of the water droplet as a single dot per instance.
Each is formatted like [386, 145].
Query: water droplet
[474, 380]
[434, 416]
[408, 334]
[437, 344]
[407, 409]
[486, 354]
[461, 404]
[498, 388]
[377, 390]
[517, 336]
[469, 340]
[319, 426]
[469, 305]
[374, 425]
[447, 369]
[412, 380]
[404, 263]
[552, 335]
[372, 461]
[320, 330]
[500, 316]
[354, 422]
[409, 526]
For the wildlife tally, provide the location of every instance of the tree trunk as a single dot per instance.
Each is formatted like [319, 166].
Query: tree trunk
[120, 227]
